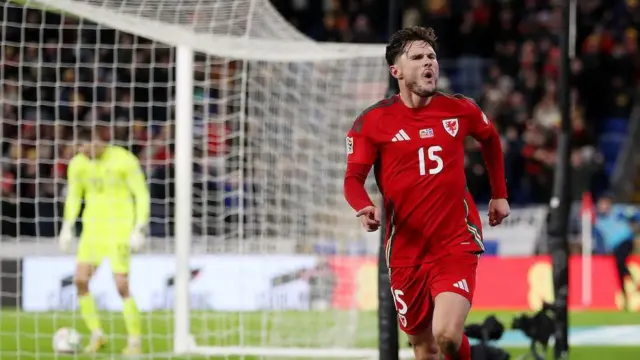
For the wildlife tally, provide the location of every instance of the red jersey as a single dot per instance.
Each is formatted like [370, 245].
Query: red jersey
[418, 159]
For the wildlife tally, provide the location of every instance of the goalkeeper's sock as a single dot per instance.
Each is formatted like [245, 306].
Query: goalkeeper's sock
[89, 313]
[131, 318]
[464, 352]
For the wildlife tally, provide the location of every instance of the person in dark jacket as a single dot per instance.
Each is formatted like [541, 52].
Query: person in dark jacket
[614, 227]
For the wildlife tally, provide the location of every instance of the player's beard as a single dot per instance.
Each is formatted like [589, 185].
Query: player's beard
[422, 90]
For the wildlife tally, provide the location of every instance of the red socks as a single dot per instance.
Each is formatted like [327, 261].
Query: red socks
[464, 352]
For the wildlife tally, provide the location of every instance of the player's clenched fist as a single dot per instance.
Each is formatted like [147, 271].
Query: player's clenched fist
[370, 218]
[498, 210]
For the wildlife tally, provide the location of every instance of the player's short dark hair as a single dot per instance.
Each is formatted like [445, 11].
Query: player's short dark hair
[84, 135]
[398, 42]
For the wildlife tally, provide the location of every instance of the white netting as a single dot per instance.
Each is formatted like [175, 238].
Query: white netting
[271, 109]
[256, 19]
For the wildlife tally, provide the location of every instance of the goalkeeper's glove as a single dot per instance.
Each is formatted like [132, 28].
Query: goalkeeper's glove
[65, 238]
[138, 237]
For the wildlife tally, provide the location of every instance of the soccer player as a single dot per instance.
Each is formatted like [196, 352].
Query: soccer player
[116, 211]
[414, 140]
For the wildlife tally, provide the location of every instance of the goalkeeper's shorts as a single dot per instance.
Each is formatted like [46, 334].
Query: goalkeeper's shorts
[94, 248]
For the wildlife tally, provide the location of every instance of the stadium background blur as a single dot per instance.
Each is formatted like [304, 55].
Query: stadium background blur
[503, 53]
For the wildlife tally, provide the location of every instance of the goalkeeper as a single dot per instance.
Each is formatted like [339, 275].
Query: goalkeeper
[113, 223]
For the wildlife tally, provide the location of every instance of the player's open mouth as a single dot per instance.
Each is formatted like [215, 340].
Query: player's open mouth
[428, 75]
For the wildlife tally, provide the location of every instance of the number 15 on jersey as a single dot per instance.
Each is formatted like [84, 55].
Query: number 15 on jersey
[432, 156]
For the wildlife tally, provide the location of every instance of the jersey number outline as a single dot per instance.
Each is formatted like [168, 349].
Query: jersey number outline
[432, 155]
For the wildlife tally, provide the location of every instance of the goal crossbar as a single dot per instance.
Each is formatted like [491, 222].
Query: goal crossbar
[234, 47]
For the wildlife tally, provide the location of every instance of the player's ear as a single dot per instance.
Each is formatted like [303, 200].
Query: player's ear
[395, 72]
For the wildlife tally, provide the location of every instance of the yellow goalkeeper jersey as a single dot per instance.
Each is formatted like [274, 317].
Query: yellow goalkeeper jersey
[114, 190]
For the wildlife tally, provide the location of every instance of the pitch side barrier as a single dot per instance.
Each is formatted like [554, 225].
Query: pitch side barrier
[303, 283]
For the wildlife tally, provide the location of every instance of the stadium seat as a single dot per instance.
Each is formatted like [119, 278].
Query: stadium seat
[609, 145]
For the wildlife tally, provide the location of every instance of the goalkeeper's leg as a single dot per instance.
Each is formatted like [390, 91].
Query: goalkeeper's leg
[87, 261]
[120, 265]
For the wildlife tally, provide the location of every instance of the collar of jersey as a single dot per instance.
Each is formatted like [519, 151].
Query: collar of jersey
[416, 111]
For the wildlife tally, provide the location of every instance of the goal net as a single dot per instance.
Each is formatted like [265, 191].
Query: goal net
[277, 264]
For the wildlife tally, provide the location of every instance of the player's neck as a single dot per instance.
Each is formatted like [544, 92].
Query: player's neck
[98, 156]
[412, 100]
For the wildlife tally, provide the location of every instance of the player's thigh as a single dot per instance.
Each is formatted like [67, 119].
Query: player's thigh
[453, 285]
[90, 252]
[84, 273]
[410, 290]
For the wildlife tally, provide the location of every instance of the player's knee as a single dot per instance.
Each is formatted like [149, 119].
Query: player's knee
[426, 351]
[448, 340]
[122, 284]
[82, 284]
[424, 345]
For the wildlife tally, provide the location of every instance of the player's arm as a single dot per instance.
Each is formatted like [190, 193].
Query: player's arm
[135, 180]
[491, 148]
[75, 191]
[138, 186]
[72, 203]
[361, 155]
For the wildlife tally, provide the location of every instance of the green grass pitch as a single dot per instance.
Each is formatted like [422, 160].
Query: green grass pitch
[27, 336]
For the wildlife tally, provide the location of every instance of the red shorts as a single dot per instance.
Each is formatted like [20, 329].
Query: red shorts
[415, 288]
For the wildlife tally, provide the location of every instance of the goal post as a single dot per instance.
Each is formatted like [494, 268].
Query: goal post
[239, 121]
[183, 342]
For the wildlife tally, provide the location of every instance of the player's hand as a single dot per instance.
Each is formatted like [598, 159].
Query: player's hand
[138, 238]
[498, 210]
[65, 238]
[370, 218]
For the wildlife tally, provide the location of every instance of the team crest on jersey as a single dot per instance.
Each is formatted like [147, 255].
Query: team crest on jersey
[349, 145]
[451, 125]
[426, 133]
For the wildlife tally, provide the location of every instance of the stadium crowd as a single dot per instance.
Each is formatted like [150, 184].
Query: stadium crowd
[503, 53]
[506, 55]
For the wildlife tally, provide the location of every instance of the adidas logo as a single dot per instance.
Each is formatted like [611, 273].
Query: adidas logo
[401, 136]
[462, 285]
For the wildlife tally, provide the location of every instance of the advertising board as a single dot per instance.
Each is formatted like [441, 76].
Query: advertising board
[220, 282]
[272, 282]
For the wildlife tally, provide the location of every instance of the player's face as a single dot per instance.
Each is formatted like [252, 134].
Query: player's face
[418, 68]
[604, 205]
[92, 149]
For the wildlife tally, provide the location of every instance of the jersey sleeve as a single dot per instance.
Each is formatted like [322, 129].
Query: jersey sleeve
[75, 191]
[360, 147]
[361, 155]
[135, 179]
[479, 125]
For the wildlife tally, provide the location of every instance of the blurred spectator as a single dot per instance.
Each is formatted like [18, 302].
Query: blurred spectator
[613, 228]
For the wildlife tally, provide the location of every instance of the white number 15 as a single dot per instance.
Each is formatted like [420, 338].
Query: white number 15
[432, 155]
